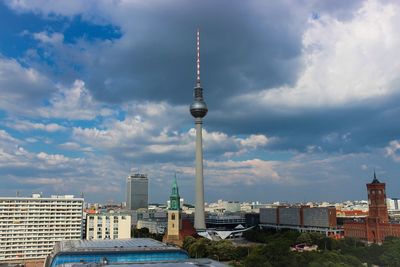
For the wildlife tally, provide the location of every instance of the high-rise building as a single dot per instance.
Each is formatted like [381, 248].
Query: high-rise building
[30, 226]
[137, 191]
[114, 225]
[199, 110]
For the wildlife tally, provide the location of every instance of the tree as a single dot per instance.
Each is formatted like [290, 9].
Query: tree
[199, 248]
[304, 238]
[335, 259]
[187, 242]
[221, 250]
[391, 252]
[256, 260]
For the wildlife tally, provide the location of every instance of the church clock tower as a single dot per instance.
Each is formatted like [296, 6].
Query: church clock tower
[174, 215]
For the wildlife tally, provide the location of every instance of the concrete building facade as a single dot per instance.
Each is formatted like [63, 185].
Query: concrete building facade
[302, 218]
[137, 194]
[108, 226]
[393, 204]
[30, 226]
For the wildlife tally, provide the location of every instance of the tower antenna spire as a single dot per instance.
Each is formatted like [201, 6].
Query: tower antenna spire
[198, 58]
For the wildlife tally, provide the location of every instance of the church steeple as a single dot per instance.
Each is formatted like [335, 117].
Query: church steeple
[375, 180]
[174, 217]
[174, 197]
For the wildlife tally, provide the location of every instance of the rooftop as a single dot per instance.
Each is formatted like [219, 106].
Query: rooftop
[182, 263]
[134, 244]
[126, 252]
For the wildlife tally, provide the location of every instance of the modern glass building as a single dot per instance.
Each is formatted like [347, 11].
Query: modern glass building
[137, 194]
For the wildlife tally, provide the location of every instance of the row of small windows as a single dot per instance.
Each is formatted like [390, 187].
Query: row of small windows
[373, 191]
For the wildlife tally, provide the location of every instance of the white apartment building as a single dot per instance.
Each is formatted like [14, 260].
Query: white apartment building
[30, 226]
[108, 226]
[393, 204]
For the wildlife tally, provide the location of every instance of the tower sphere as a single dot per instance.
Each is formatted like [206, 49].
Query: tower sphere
[198, 109]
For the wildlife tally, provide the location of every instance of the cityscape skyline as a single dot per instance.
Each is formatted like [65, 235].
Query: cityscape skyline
[90, 91]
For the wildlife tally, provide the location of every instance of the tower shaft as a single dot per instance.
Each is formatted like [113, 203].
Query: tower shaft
[199, 216]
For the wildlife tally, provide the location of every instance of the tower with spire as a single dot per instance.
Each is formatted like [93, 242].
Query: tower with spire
[377, 201]
[199, 110]
[174, 215]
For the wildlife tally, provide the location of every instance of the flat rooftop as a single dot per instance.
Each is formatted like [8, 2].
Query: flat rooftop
[180, 263]
[134, 244]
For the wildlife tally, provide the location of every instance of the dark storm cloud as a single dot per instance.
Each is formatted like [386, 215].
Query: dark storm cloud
[245, 46]
[351, 128]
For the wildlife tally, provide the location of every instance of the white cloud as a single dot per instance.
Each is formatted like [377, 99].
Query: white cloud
[46, 7]
[44, 181]
[248, 172]
[344, 62]
[23, 125]
[49, 38]
[151, 128]
[55, 173]
[254, 141]
[75, 147]
[22, 88]
[392, 150]
[73, 103]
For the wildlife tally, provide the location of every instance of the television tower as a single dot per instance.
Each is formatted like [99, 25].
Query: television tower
[198, 109]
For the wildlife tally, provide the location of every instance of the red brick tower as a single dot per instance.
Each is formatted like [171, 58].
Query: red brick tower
[378, 215]
[377, 201]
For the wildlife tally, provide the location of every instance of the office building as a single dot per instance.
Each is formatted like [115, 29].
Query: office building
[393, 204]
[114, 225]
[137, 195]
[301, 218]
[155, 226]
[30, 226]
[376, 226]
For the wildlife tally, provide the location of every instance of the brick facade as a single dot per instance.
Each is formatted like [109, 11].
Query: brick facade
[376, 227]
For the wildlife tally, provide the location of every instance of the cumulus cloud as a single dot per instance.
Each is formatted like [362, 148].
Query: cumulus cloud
[53, 173]
[392, 150]
[23, 125]
[353, 63]
[273, 89]
[49, 38]
[150, 129]
[248, 172]
[74, 103]
[21, 87]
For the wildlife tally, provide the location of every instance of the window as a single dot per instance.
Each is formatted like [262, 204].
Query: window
[173, 216]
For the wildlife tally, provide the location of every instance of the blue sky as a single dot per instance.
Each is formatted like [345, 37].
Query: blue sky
[302, 95]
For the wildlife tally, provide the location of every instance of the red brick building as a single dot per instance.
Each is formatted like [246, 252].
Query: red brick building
[375, 227]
